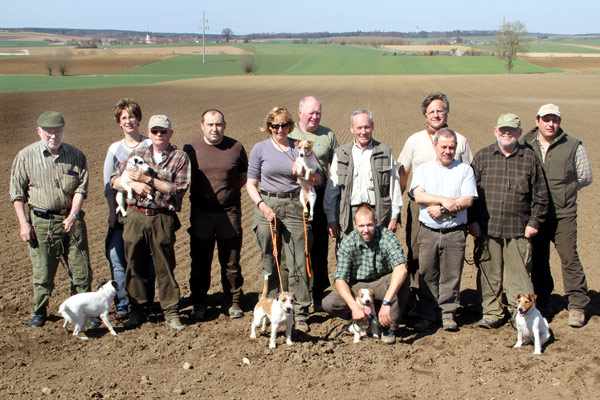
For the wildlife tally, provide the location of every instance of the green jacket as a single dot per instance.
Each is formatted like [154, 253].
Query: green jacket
[382, 178]
[560, 171]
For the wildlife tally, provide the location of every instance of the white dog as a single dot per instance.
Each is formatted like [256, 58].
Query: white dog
[275, 310]
[307, 164]
[136, 163]
[366, 299]
[530, 323]
[79, 308]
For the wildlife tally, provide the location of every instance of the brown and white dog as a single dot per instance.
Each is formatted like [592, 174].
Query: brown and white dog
[366, 299]
[79, 308]
[306, 164]
[136, 163]
[530, 323]
[275, 310]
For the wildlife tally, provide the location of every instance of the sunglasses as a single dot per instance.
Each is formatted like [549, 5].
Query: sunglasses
[161, 131]
[277, 126]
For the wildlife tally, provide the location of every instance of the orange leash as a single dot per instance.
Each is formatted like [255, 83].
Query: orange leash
[273, 228]
[306, 254]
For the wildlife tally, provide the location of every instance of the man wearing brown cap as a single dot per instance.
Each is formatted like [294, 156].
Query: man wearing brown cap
[52, 178]
[151, 222]
[567, 170]
[511, 206]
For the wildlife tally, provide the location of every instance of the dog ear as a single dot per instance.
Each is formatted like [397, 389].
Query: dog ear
[100, 284]
[533, 297]
[519, 296]
[296, 143]
[311, 143]
[115, 285]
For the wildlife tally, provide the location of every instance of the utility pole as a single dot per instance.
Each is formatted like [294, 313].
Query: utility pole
[204, 28]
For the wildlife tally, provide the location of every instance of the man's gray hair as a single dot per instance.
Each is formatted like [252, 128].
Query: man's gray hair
[361, 111]
[435, 96]
[306, 98]
[445, 132]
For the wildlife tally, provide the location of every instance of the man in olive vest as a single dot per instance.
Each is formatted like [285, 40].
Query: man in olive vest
[567, 170]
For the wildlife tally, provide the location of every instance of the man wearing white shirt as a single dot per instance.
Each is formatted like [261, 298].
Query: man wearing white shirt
[362, 172]
[444, 188]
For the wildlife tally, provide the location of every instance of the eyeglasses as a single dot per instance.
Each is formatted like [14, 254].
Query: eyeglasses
[277, 126]
[161, 131]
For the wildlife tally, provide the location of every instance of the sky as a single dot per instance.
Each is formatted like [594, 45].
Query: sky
[244, 17]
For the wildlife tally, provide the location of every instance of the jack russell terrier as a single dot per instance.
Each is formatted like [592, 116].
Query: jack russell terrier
[275, 310]
[136, 163]
[79, 308]
[366, 299]
[530, 323]
[307, 164]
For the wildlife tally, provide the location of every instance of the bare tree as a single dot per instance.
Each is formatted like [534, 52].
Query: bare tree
[227, 34]
[62, 58]
[248, 60]
[510, 41]
[49, 64]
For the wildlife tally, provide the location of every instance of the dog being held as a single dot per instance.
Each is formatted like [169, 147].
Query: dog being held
[79, 308]
[136, 163]
[306, 165]
[366, 299]
[530, 323]
[276, 311]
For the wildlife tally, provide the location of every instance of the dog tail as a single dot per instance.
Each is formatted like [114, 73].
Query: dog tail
[265, 290]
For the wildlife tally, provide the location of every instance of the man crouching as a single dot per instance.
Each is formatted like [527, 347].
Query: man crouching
[370, 257]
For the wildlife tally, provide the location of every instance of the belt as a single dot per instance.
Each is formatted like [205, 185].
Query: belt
[43, 213]
[148, 211]
[446, 230]
[286, 195]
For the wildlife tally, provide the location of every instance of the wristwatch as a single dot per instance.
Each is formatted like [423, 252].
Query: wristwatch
[75, 216]
[386, 303]
[443, 209]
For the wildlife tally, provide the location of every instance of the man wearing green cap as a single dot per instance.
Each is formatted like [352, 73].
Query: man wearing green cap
[512, 204]
[52, 178]
[567, 170]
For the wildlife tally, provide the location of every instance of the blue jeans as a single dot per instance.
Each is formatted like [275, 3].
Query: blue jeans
[115, 253]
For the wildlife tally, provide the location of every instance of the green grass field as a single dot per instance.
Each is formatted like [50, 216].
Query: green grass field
[592, 40]
[546, 48]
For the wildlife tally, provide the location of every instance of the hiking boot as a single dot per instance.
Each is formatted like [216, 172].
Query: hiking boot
[37, 321]
[317, 306]
[302, 326]
[388, 337]
[425, 325]
[174, 324]
[487, 324]
[136, 318]
[449, 324]
[199, 312]
[576, 318]
[235, 311]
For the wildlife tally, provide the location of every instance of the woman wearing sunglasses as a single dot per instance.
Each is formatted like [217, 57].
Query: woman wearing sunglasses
[272, 185]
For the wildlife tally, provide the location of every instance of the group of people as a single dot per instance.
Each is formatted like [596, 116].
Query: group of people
[514, 197]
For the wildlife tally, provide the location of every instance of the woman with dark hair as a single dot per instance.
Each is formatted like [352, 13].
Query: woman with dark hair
[128, 116]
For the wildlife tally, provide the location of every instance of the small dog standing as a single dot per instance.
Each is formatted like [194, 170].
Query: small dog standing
[307, 164]
[275, 310]
[365, 298]
[79, 308]
[530, 323]
[137, 163]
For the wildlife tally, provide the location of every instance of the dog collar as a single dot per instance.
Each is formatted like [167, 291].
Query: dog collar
[309, 154]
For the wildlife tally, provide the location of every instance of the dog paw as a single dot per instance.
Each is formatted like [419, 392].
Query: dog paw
[272, 345]
[517, 345]
[289, 342]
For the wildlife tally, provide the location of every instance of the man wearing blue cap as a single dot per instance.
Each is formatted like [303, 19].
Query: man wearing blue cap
[52, 178]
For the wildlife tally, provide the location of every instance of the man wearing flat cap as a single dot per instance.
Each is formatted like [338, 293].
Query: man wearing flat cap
[511, 205]
[151, 222]
[567, 170]
[52, 178]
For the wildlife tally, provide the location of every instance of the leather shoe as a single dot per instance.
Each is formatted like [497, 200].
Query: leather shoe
[235, 311]
[136, 318]
[449, 324]
[37, 321]
[93, 322]
[174, 324]
[302, 326]
[388, 337]
[118, 316]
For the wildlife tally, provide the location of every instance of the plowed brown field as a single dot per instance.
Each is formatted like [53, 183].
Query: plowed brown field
[148, 362]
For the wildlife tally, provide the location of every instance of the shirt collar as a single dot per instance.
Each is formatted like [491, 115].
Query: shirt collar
[367, 147]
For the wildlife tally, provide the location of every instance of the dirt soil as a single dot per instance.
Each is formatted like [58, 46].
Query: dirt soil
[568, 64]
[215, 358]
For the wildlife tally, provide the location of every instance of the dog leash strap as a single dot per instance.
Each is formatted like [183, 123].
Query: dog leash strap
[306, 253]
[273, 228]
